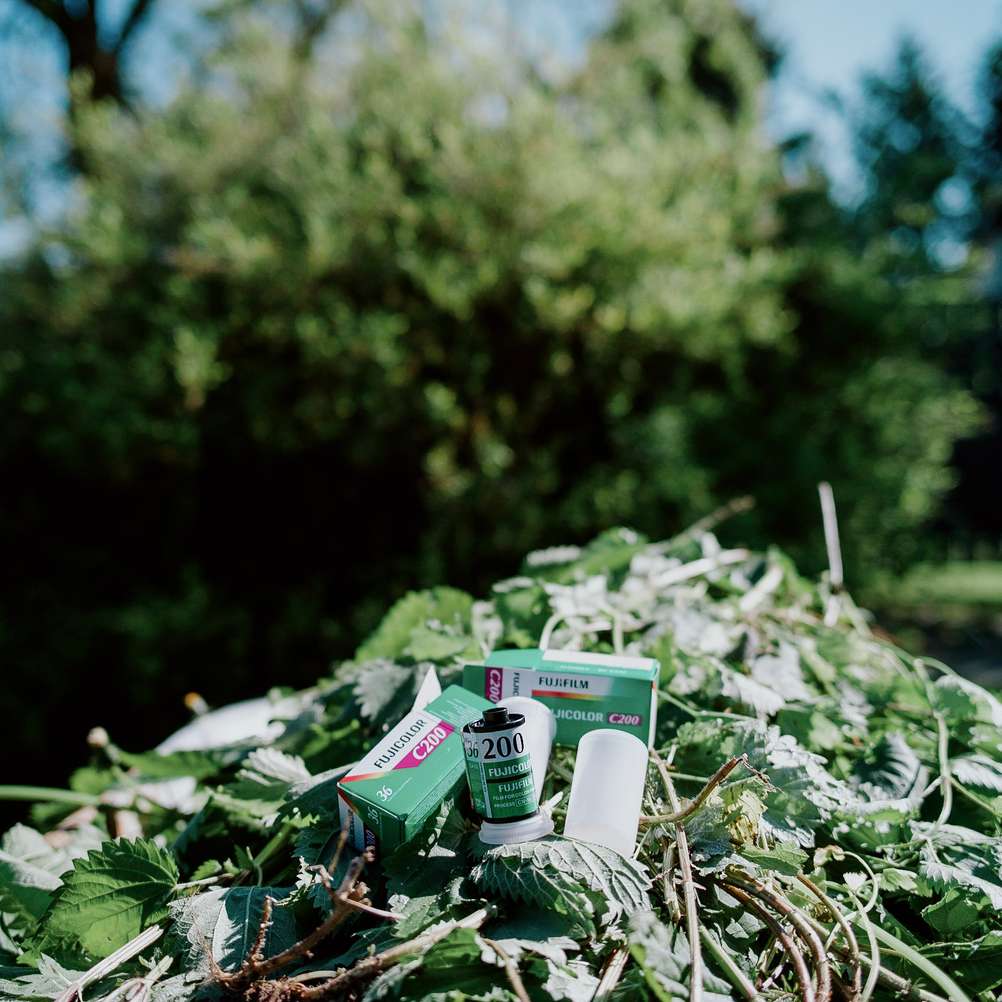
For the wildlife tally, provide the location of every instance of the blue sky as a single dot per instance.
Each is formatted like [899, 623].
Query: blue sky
[828, 44]
[831, 43]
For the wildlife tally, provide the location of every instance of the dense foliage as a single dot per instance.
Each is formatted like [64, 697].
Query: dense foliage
[345, 319]
[854, 841]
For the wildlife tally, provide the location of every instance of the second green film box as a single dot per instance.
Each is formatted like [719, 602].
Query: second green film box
[388, 796]
[585, 691]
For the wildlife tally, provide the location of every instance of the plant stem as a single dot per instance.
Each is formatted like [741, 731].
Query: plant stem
[800, 923]
[936, 974]
[694, 805]
[49, 795]
[510, 969]
[688, 886]
[611, 974]
[782, 936]
[373, 965]
[735, 975]
[847, 933]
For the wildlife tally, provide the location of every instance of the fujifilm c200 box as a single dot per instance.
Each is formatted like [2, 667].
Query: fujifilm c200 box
[388, 796]
[584, 691]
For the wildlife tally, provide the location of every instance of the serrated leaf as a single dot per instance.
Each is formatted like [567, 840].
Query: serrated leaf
[951, 914]
[890, 772]
[110, 896]
[29, 872]
[427, 862]
[972, 868]
[49, 981]
[174, 765]
[662, 953]
[316, 845]
[805, 794]
[396, 633]
[224, 922]
[573, 981]
[979, 771]
[563, 875]
[453, 965]
[782, 858]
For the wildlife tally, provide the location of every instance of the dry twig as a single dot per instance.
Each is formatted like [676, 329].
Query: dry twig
[782, 936]
[688, 885]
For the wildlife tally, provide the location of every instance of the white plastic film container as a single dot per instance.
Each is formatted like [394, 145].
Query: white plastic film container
[607, 790]
[540, 730]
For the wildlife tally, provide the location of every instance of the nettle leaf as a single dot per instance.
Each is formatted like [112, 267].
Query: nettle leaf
[316, 845]
[49, 981]
[951, 914]
[889, 772]
[806, 795]
[963, 701]
[174, 765]
[979, 771]
[434, 856]
[455, 964]
[29, 872]
[524, 607]
[573, 981]
[975, 876]
[662, 953]
[383, 690]
[224, 922]
[783, 858]
[884, 791]
[403, 627]
[564, 876]
[266, 779]
[110, 896]
[709, 836]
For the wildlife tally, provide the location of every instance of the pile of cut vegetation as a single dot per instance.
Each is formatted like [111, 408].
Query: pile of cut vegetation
[851, 852]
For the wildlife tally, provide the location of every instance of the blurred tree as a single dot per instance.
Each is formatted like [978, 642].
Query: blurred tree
[95, 49]
[391, 309]
[910, 142]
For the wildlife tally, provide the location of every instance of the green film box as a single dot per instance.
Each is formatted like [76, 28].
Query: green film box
[389, 794]
[584, 691]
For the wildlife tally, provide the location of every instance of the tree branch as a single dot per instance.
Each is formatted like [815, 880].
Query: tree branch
[132, 21]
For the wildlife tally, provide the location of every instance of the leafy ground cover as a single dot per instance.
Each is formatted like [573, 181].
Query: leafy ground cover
[821, 819]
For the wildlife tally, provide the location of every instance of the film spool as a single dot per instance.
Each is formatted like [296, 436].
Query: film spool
[500, 774]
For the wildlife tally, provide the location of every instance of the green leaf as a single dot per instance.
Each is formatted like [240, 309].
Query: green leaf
[316, 845]
[110, 896]
[29, 872]
[573, 981]
[951, 914]
[402, 626]
[662, 953]
[979, 771]
[436, 854]
[455, 967]
[782, 858]
[49, 981]
[384, 690]
[946, 876]
[173, 765]
[806, 795]
[226, 921]
[564, 875]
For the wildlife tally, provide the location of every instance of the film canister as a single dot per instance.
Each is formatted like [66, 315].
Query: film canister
[502, 786]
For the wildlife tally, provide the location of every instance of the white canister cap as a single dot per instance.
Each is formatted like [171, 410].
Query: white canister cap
[607, 790]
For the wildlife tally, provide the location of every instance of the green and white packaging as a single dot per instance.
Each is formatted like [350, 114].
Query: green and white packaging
[389, 794]
[585, 691]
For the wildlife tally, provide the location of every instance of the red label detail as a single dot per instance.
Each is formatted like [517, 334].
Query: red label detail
[425, 746]
[493, 683]
[630, 719]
